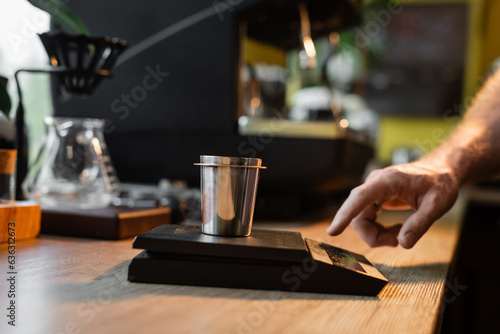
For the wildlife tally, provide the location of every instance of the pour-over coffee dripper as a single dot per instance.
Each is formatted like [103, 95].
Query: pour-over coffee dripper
[79, 63]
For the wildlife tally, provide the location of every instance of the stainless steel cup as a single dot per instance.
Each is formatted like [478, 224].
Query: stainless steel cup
[228, 187]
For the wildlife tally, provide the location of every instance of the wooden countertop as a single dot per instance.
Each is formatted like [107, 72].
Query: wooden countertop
[70, 285]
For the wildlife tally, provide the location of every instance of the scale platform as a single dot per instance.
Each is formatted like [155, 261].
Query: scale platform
[266, 260]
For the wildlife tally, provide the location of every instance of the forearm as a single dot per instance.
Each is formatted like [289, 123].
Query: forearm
[469, 153]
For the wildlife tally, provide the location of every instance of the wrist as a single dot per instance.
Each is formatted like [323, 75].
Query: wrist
[448, 166]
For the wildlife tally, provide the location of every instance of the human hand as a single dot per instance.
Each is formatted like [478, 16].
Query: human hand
[429, 191]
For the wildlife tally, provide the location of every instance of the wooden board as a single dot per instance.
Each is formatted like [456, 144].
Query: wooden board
[109, 223]
[26, 218]
[69, 285]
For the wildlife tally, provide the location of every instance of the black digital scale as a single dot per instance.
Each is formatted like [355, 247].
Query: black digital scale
[265, 260]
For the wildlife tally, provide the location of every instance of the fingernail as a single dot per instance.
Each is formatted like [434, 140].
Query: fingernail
[411, 238]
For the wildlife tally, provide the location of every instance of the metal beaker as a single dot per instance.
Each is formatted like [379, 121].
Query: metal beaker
[229, 188]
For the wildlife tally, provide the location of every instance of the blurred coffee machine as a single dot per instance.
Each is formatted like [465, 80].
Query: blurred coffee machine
[217, 78]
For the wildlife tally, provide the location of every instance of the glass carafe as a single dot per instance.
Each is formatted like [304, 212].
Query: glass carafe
[73, 168]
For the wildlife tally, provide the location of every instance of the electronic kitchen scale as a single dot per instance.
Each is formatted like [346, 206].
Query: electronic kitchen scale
[266, 260]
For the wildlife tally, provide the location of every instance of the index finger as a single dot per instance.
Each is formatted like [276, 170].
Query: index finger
[360, 197]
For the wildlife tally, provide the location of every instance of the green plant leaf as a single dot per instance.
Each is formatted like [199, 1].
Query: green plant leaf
[5, 103]
[62, 14]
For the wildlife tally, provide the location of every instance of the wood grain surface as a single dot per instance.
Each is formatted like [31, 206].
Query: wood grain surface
[25, 214]
[69, 285]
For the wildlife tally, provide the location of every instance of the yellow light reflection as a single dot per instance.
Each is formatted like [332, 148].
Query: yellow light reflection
[344, 123]
[53, 61]
[309, 47]
[254, 104]
[305, 26]
[334, 38]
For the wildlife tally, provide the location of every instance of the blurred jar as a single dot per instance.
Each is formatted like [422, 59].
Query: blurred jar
[73, 168]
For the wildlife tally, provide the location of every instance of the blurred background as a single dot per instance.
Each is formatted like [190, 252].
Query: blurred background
[322, 91]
